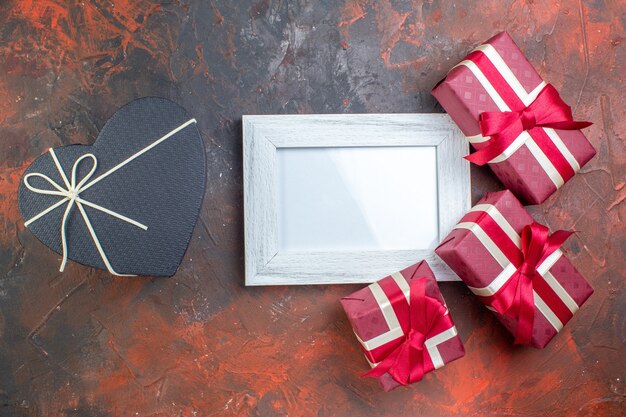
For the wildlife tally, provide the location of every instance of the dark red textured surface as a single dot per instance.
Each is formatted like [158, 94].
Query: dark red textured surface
[85, 344]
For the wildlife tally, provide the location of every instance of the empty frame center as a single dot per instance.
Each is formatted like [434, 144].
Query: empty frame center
[357, 198]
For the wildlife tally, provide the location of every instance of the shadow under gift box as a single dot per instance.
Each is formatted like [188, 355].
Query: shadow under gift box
[476, 250]
[463, 95]
[376, 325]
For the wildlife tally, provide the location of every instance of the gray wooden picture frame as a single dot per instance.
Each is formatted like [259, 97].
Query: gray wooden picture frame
[263, 135]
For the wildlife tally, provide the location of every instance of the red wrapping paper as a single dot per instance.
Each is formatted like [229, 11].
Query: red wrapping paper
[500, 216]
[370, 323]
[531, 176]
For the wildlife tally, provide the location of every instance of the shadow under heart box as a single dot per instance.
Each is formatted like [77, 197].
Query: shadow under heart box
[129, 202]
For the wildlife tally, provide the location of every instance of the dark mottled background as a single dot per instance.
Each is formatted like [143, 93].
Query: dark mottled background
[84, 343]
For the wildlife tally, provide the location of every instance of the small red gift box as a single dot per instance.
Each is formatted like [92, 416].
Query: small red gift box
[404, 326]
[516, 122]
[515, 268]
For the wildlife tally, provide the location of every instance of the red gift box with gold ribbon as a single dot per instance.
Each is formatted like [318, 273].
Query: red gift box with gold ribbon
[403, 326]
[516, 268]
[517, 122]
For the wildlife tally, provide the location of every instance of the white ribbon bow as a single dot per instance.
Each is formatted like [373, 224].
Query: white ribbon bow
[71, 195]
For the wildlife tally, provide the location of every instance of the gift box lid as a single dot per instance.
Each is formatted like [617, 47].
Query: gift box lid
[128, 202]
[363, 311]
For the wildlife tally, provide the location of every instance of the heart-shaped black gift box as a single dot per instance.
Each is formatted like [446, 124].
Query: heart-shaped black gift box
[129, 202]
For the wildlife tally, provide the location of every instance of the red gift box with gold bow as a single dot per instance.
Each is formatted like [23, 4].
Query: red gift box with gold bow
[404, 326]
[517, 123]
[516, 268]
